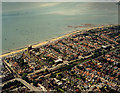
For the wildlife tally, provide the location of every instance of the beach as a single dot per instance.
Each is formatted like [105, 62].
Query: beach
[45, 42]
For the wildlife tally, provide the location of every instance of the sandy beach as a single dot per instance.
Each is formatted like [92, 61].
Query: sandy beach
[43, 43]
[36, 45]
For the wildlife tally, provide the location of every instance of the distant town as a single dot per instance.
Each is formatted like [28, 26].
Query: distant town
[84, 61]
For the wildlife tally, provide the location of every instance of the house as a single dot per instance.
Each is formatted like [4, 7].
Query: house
[58, 61]
[29, 47]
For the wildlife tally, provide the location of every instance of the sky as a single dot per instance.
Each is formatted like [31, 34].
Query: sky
[58, 8]
[60, 0]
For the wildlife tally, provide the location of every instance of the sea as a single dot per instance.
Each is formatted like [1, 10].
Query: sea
[26, 23]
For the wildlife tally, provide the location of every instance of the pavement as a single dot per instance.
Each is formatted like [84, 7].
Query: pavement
[32, 88]
[43, 43]
[43, 88]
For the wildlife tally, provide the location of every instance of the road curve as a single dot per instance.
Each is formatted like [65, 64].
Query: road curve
[32, 88]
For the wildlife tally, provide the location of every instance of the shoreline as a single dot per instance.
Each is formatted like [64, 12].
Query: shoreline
[48, 41]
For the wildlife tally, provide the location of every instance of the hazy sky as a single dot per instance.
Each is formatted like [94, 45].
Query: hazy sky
[59, 0]
[58, 8]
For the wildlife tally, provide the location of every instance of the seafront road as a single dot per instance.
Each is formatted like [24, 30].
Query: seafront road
[34, 46]
[52, 40]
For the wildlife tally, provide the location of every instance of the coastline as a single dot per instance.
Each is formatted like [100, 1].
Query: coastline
[48, 41]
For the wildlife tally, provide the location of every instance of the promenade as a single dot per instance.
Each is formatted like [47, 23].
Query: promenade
[87, 59]
[43, 43]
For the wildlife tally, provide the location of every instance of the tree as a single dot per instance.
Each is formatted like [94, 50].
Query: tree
[53, 75]
[24, 76]
[21, 62]
[46, 70]
[51, 62]
[59, 77]
[35, 83]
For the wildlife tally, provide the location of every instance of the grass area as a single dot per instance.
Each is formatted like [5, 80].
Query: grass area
[61, 90]
[79, 78]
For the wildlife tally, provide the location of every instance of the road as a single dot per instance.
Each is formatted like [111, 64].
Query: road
[43, 88]
[52, 40]
[8, 81]
[55, 67]
[32, 88]
[11, 69]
